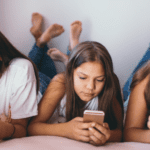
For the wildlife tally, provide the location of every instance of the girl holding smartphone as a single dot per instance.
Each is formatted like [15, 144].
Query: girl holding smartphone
[88, 83]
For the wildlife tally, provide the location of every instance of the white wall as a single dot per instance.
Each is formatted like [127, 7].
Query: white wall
[122, 26]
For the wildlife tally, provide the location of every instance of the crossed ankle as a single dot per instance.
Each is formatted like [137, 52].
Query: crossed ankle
[73, 44]
[40, 44]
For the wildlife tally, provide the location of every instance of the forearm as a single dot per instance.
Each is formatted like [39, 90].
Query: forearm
[20, 131]
[137, 135]
[47, 129]
[115, 135]
[6, 130]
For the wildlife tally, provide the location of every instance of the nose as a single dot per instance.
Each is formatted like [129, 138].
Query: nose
[90, 85]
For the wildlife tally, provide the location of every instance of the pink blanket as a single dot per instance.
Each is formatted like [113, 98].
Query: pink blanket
[60, 143]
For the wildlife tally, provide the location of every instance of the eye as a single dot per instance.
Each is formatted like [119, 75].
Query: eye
[100, 80]
[83, 78]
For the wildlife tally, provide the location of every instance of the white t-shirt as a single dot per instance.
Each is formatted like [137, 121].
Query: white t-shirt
[18, 89]
[59, 114]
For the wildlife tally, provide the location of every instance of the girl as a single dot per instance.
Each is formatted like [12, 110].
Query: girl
[19, 79]
[138, 107]
[18, 90]
[89, 83]
[126, 88]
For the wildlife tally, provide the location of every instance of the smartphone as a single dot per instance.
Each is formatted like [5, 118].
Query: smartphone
[93, 116]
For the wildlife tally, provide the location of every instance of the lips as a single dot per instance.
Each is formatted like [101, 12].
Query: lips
[87, 94]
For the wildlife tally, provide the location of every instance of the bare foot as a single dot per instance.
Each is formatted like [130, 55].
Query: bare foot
[36, 29]
[51, 32]
[57, 55]
[75, 31]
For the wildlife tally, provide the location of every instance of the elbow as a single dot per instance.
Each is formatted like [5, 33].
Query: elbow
[125, 139]
[116, 136]
[33, 129]
[30, 129]
[119, 139]
[126, 135]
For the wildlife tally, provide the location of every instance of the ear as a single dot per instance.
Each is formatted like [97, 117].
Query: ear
[0, 58]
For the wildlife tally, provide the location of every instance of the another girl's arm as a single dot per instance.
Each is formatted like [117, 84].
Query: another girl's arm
[15, 129]
[107, 134]
[22, 101]
[136, 115]
[11, 128]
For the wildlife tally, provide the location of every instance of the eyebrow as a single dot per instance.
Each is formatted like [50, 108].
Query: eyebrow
[87, 75]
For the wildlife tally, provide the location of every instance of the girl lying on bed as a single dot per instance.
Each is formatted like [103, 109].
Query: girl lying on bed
[137, 118]
[19, 78]
[88, 83]
[18, 90]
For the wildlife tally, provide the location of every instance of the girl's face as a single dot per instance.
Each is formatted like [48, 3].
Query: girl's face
[89, 80]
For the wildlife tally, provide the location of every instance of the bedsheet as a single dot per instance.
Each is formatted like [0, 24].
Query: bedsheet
[60, 143]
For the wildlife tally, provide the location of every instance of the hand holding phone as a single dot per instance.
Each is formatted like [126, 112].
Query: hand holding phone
[93, 116]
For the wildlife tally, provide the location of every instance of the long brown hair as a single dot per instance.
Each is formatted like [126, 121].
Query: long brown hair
[88, 52]
[8, 52]
[140, 75]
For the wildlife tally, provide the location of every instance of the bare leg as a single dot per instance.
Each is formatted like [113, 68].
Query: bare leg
[57, 55]
[75, 31]
[36, 29]
[38, 52]
[51, 32]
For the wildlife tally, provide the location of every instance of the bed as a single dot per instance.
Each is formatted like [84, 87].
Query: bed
[61, 143]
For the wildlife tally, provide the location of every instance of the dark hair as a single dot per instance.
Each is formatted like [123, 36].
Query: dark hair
[88, 52]
[139, 76]
[8, 52]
